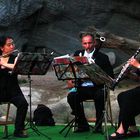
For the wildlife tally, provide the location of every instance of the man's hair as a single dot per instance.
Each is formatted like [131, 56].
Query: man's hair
[85, 33]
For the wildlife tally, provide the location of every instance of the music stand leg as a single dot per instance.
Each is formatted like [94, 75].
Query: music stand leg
[105, 115]
[105, 127]
[69, 126]
[31, 124]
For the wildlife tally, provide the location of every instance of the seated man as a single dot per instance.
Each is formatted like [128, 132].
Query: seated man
[88, 89]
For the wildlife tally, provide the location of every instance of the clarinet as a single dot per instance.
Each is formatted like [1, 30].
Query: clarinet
[125, 67]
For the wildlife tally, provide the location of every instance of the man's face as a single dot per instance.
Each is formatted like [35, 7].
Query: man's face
[88, 43]
[9, 46]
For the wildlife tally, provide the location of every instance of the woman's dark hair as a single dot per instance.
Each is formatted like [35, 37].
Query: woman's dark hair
[3, 40]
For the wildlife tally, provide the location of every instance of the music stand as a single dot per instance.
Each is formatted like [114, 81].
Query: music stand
[66, 69]
[98, 76]
[32, 64]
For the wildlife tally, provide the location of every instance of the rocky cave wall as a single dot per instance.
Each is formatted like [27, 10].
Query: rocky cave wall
[55, 24]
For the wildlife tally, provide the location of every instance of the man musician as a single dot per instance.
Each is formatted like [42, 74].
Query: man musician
[87, 89]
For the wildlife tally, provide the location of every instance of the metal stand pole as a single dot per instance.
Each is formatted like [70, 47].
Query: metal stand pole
[73, 122]
[69, 126]
[105, 114]
[31, 124]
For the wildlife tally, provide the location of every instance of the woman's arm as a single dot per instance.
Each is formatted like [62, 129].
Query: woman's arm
[4, 63]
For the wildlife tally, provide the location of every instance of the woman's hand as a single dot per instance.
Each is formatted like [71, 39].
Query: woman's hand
[134, 62]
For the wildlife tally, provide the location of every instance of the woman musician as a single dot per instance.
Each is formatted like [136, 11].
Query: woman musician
[9, 87]
[129, 103]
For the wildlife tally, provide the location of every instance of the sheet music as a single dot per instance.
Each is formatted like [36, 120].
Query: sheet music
[66, 67]
[97, 75]
[83, 70]
[63, 56]
[32, 63]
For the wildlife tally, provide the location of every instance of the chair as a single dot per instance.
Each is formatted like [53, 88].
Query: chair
[108, 109]
[6, 120]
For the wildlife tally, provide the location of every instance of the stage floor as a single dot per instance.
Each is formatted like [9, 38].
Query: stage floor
[52, 133]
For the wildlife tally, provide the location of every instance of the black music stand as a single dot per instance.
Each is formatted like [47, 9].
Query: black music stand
[32, 64]
[98, 76]
[68, 71]
[87, 71]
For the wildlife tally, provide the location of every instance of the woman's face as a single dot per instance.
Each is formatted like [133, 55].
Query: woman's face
[8, 47]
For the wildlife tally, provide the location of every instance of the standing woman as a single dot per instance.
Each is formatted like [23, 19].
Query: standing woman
[9, 87]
